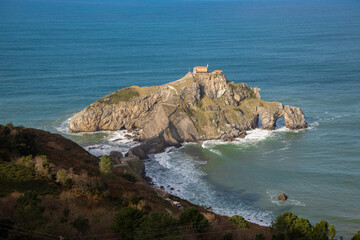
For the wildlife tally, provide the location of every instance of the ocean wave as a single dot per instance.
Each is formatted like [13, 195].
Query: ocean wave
[180, 174]
[64, 127]
[273, 197]
[252, 138]
[105, 148]
[313, 125]
[120, 141]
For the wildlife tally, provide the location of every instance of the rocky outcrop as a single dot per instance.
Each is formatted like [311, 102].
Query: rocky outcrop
[116, 156]
[196, 107]
[282, 197]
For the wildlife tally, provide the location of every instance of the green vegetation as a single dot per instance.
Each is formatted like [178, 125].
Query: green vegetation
[356, 236]
[166, 227]
[126, 221]
[106, 164]
[289, 226]
[62, 177]
[15, 177]
[250, 93]
[130, 223]
[195, 219]
[123, 95]
[27, 161]
[239, 221]
[28, 213]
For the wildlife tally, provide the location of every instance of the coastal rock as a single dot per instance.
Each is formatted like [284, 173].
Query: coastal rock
[116, 156]
[282, 197]
[197, 107]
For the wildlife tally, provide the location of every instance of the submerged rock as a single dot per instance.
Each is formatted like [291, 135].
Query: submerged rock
[199, 106]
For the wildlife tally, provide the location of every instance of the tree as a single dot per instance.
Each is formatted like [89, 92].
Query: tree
[283, 223]
[320, 231]
[126, 221]
[332, 232]
[300, 228]
[106, 164]
[165, 225]
[289, 226]
[356, 236]
[195, 219]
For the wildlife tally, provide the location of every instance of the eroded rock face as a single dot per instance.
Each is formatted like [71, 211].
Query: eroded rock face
[196, 107]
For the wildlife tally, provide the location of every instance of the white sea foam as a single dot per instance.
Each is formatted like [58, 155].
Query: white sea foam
[273, 197]
[252, 138]
[64, 127]
[120, 141]
[313, 125]
[181, 175]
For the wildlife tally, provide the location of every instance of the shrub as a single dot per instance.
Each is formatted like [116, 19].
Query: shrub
[28, 213]
[195, 219]
[81, 224]
[106, 164]
[14, 177]
[260, 236]
[165, 225]
[356, 236]
[62, 177]
[126, 221]
[26, 161]
[42, 166]
[23, 143]
[239, 221]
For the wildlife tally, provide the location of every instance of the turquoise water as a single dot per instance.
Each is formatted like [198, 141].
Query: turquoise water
[56, 57]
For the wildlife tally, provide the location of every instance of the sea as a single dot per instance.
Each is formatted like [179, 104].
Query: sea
[59, 56]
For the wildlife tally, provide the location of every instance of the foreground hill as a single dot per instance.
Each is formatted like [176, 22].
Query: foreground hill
[199, 106]
[67, 196]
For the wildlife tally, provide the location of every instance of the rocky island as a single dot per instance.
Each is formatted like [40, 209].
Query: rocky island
[199, 106]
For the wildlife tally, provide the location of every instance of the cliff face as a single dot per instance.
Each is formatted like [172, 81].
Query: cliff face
[199, 106]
